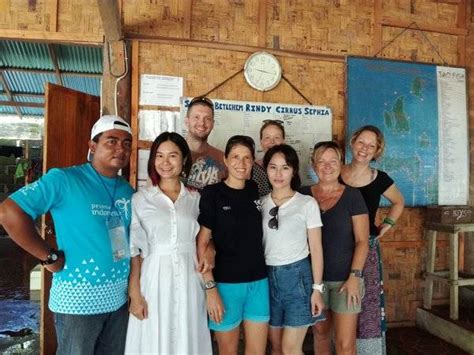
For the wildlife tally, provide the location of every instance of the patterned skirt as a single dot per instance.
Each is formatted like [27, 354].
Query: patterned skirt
[371, 326]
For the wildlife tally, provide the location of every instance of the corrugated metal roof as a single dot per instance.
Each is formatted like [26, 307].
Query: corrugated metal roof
[80, 59]
[28, 83]
[26, 68]
[28, 55]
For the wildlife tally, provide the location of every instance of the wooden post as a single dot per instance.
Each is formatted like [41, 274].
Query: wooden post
[430, 266]
[453, 276]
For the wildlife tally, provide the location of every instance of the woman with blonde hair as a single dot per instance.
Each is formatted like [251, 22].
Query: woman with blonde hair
[345, 234]
[367, 144]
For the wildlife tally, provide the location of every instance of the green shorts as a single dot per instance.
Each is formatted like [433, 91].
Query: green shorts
[337, 302]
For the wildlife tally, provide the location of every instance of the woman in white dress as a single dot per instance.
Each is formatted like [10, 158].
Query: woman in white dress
[167, 301]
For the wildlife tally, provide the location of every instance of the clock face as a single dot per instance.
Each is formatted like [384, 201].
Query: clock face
[262, 71]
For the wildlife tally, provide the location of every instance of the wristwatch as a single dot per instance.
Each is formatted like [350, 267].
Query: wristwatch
[210, 284]
[52, 257]
[319, 287]
[356, 273]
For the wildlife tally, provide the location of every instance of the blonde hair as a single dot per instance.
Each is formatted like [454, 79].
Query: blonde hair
[321, 147]
[379, 136]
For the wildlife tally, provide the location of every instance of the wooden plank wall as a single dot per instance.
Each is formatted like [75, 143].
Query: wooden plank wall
[207, 41]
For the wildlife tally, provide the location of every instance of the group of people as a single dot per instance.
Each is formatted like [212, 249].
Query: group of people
[217, 240]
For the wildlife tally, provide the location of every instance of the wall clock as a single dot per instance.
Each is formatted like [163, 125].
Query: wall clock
[262, 71]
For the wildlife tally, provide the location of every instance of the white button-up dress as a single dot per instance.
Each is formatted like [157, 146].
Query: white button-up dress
[164, 234]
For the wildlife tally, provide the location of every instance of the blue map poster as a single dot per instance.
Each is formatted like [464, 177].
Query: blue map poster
[421, 109]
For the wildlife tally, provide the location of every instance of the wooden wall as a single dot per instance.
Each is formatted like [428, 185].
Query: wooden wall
[207, 41]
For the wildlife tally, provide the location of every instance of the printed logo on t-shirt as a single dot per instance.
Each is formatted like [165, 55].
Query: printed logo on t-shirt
[205, 171]
[122, 206]
[226, 208]
[30, 187]
[258, 204]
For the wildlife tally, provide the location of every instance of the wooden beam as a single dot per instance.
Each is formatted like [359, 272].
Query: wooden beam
[51, 7]
[187, 18]
[111, 21]
[41, 71]
[21, 104]
[392, 22]
[53, 37]
[377, 41]
[13, 93]
[262, 23]
[9, 95]
[338, 58]
[54, 59]
[134, 111]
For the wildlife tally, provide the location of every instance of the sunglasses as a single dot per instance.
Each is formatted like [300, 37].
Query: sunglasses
[280, 122]
[273, 222]
[202, 99]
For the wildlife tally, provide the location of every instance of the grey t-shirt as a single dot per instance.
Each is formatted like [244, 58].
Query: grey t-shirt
[338, 235]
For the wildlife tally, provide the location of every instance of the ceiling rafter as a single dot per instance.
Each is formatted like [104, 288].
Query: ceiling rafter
[9, 95]
[54, 59]
[44, 71]
[21, 104]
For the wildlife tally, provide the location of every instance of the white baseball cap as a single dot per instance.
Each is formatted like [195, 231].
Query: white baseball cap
[108, 123]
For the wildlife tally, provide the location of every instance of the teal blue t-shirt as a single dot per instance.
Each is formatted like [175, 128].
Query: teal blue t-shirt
[80, 200]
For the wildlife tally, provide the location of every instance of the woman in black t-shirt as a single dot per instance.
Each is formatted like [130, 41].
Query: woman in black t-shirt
[367, 145]
[237, 288]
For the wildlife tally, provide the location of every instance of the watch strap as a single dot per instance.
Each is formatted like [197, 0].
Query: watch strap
[52, 257]
[357, 273]
[209, 285]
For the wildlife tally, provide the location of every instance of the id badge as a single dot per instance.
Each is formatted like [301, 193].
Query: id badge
[118, 238]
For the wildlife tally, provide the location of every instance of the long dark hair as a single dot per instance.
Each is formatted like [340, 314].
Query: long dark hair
[183, 147]
[291, 159]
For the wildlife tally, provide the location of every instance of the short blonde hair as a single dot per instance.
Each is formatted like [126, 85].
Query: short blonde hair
[321, 147]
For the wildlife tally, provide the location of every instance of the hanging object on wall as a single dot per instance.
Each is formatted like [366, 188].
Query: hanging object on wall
[262, 71]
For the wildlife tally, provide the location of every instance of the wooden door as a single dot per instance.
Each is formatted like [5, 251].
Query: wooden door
[69, 117]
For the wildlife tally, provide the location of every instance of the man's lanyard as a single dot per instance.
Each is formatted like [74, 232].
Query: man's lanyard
[112, 197]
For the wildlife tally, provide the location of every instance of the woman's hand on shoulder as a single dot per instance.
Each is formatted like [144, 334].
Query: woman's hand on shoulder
[138, 307]
[215, 307]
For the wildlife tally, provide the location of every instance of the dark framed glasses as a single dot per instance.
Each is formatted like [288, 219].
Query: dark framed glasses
[273, 222]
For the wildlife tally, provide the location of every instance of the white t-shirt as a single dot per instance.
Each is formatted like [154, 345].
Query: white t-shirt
[289, 243]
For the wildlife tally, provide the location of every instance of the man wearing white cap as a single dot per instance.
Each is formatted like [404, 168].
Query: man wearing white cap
[90, 206]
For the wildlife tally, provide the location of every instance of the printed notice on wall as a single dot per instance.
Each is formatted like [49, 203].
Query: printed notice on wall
[152, 123]
[160, 90]
[453, 183]
[304, 126]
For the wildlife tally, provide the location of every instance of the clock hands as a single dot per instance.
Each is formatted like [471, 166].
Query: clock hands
[263, 71]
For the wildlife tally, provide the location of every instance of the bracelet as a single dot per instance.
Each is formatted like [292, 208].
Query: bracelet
[389, 221]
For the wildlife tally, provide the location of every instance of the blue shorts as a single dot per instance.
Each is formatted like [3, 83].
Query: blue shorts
[243, 301]
[290, 295]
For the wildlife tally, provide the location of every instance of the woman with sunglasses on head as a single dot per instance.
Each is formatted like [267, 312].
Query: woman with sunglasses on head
[291, 231]
[345, 245]
[367, 145]
[237, 287]
[167, 302]
[272, 133]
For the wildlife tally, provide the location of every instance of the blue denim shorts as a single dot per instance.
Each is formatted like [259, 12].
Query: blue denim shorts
[243, 301]
[290, 295]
